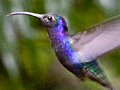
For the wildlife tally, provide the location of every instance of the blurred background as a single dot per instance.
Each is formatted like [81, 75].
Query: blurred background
[27, 61]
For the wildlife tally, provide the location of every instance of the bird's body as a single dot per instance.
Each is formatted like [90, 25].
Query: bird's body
[61, 44]
[79, 52]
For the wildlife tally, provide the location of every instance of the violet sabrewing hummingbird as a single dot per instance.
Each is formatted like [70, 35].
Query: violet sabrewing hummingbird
[78, 53]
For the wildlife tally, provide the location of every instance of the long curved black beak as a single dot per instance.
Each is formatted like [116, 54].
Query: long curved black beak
[39, 16]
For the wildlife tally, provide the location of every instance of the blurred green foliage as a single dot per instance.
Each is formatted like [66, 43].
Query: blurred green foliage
[27, 61]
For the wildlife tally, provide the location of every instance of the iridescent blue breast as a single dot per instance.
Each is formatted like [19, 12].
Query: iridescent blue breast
[67, 56]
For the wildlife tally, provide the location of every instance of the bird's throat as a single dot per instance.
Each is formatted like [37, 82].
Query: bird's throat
[57, 34]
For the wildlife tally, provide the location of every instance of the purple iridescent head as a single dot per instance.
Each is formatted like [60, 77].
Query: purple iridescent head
[53, 20]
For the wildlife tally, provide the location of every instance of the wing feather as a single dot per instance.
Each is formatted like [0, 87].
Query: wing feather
[97, 40]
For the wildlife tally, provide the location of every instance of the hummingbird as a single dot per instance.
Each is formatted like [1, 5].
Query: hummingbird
[79, 52]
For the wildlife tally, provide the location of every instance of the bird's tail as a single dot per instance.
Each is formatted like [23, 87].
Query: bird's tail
[95, 73]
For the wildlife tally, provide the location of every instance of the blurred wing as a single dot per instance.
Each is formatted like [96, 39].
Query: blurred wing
[97, 39]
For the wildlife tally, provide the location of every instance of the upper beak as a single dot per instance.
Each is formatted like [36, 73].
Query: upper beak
[39, 16]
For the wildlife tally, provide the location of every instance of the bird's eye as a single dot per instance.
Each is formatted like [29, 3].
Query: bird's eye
[49, 18]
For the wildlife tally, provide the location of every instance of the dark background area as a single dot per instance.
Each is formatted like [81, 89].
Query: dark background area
[27, 61]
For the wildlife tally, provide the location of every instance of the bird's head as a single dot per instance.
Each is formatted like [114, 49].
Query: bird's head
[50, 20]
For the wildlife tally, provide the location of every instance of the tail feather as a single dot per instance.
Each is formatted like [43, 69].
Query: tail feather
[95, 73]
